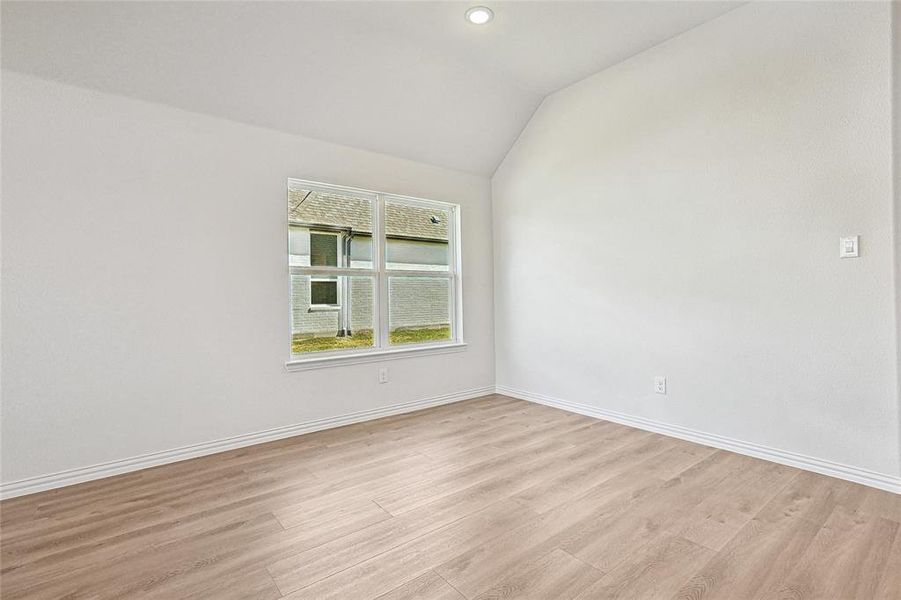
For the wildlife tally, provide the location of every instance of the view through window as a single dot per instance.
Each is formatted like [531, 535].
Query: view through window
[370, 271]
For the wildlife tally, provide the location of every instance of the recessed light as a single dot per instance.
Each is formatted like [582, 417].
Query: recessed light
[479, 15]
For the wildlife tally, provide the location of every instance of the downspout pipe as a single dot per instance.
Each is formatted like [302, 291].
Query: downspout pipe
[345, 329]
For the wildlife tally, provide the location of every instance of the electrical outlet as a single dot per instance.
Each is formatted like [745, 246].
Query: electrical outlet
[660, 385]
[383, 375]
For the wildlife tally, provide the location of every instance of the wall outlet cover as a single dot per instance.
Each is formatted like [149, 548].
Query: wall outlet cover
[660, 385]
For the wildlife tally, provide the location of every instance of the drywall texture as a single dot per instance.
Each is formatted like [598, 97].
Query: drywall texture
[679, 214]
[145, 283]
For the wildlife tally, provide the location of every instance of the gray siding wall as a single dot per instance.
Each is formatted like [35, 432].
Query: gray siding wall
[305, 321]
[414, 302]
[418, 302]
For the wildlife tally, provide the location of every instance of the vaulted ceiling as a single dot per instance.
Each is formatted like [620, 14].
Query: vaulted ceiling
[411, 79]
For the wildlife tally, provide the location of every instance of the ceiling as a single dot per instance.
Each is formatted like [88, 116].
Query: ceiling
[410, 79]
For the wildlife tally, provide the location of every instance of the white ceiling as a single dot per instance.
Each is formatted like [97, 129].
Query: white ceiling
[411, 79]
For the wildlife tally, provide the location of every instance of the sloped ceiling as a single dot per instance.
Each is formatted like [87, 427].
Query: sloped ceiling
[411, 79]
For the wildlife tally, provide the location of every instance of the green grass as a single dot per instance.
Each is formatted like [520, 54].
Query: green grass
[420, 336]
[363, 339]
[360, 339]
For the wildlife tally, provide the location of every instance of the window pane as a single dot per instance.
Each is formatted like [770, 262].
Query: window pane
[419, 309]
[328, 229]
[324, 291]
[417, 236]
[330, 313]
[323, 249]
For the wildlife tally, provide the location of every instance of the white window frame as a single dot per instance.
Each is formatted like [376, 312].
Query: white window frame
[382, 349]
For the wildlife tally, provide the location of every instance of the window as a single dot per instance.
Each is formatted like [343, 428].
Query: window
[371, 274]
[323, 249]
[324, 253]
[323, 291]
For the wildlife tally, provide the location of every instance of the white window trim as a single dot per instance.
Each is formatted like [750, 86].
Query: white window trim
[356, 357]
[381, 349]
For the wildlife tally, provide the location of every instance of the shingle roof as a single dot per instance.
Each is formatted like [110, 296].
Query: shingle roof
[334, 210]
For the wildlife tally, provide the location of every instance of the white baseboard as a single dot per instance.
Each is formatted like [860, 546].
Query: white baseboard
[79, 475]
[793, 459]
[117, 467]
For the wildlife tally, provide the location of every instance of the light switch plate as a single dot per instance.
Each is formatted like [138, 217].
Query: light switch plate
[849, 247]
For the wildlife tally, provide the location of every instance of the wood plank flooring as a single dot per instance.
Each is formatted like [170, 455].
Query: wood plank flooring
[484, 499]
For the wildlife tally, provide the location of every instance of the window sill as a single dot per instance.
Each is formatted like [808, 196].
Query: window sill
[324, 308]
[319, 362]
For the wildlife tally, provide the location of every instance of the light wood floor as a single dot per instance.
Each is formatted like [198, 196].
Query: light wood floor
[489, 498]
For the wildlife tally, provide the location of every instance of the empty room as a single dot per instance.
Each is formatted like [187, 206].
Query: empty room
[446, 300]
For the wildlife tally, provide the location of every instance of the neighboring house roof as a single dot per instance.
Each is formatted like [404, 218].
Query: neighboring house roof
[334, 210]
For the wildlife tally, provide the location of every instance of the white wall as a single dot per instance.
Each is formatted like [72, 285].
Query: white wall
[145, 286]
[679, 214]
[896, 152]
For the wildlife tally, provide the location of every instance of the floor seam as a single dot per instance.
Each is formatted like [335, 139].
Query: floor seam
[462, 595]
[385, 510]
[587, 564]
[274, 582]
[387, 550]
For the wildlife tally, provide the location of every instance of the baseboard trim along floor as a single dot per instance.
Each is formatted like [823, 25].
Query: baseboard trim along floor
[808, 463]
[117, 467]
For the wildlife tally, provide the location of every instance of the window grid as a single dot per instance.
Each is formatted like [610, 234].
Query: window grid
[381, 273]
